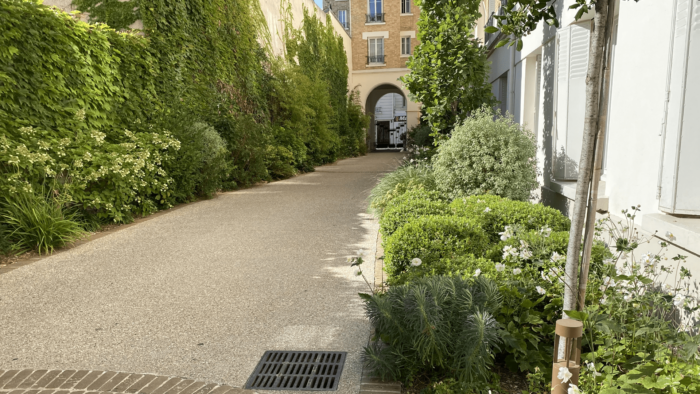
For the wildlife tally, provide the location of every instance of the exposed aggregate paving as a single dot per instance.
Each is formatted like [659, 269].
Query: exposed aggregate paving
[192, 299]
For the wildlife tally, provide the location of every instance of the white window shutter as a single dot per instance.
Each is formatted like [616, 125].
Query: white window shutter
[680, 179]
[562, 94]
[572, 66]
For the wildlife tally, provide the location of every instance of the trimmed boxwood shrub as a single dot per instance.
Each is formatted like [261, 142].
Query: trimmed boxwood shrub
[453, 267]
[431, 238]
[412, 204]
[503, 212]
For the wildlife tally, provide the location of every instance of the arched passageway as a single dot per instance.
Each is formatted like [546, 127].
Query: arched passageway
[387, 107]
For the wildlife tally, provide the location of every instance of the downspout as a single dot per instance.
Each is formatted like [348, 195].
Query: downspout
[662, 132]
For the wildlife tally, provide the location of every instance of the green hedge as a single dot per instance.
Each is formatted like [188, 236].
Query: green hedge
[431, 238]
[412, 204]
[128, 123]
[493, 213]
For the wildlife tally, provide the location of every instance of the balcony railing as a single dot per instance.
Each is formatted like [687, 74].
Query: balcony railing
[375, 59]
[375, 18]
[489, 37]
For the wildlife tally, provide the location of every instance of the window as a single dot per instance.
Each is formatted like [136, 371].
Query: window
[405, 46]
[375, 7]
[570, 103]
[503, 93]
[405, 6]
[376, 50]
[343, 18]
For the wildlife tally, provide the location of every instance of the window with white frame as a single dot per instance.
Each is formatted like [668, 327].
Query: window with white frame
[405, 6]
[375, 7]
[343, 18]
[376, 50]
[405, 46]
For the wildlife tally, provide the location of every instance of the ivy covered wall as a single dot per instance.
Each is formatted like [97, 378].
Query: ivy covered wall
[127, 123]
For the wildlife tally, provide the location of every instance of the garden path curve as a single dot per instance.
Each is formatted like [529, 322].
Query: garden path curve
[198, 294]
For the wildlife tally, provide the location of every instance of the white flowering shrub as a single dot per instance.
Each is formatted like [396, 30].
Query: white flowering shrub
[487, 154]
[114, 177]
[641, 317]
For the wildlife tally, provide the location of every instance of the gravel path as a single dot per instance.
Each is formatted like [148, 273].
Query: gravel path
[203, 291]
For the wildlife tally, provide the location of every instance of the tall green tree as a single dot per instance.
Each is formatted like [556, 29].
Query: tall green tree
[448, 68]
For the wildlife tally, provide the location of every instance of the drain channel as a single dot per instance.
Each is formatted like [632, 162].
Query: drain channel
[307, 371]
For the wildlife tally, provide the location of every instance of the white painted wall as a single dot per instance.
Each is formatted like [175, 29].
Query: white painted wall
[636, 107]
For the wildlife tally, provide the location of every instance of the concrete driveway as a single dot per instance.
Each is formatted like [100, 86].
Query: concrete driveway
[203, 291]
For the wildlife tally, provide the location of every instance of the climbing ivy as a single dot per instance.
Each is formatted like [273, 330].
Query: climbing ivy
[123, 120]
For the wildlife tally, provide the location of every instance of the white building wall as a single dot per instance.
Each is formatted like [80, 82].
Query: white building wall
[637, 105]
[635, 114]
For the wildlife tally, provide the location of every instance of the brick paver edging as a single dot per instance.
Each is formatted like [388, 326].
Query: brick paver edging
[370, 384]
[33, 381]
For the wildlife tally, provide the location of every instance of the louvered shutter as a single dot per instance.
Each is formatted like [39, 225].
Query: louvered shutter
[680, 182]
[572, 65]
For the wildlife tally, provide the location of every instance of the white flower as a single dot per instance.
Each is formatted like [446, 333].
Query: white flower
[564, 374]
[507, 233]
[525, 254]
[678, 300]
[667, 287]
[546, 231]
[349, 259]
[608, 282]
[416, 262]
[591, 366]
[670, 236]
[556, 257]
[541, 290]
[517, 271]
[500, 267]
[573, 389]
[604, 300]
[509, 251]
[546, 277]
[628, 297]
[487, 209]
[477, 272]
[608, 262]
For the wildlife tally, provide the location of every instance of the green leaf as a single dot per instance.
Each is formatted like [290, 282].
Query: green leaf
[491, 29]
[578, 315]
[502, 43]
[365, 297]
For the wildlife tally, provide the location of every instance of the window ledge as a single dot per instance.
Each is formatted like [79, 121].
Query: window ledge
[405, 55]
[376, 65]
[565, 188]
[375, 23]
[686, 230]
[406, 15]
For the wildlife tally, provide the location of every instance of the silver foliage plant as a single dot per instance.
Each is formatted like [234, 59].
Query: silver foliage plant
[487, 154]
[439, 324]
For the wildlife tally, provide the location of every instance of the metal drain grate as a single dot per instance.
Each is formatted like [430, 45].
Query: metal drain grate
[308, 371]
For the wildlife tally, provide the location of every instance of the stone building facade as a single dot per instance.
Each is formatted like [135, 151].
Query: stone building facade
[341, 10]
[384, 35]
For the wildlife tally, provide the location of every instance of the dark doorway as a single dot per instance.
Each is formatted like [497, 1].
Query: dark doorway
[383, 134]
